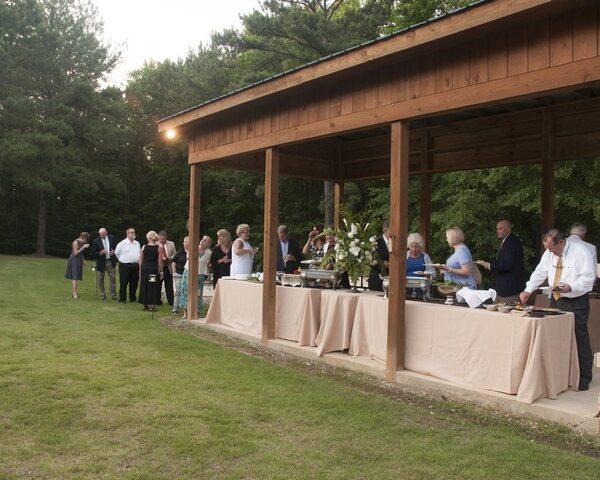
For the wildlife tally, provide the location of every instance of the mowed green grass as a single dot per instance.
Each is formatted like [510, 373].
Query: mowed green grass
[100, 390]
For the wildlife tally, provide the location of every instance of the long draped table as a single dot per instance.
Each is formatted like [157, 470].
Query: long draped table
[238, 305]
[525, 356]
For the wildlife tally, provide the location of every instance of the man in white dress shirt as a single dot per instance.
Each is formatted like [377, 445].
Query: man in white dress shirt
[578, 233]
[128, 254]
[568, 268]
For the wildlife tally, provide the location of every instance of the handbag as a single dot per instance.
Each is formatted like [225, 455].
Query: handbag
[476, 274]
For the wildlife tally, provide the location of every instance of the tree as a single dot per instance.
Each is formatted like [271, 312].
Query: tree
[53, 114]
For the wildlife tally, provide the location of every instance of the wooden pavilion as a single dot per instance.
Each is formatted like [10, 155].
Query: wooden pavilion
[500, 83]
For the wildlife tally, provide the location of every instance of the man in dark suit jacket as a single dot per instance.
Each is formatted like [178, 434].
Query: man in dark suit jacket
[288, 251]
[508, 269]
[106, 260]
[382, 267]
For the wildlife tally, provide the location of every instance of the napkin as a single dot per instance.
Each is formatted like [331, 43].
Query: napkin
[474, 298]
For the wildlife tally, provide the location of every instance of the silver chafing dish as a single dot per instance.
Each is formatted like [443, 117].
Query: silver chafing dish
[419, 285]
[317, 277]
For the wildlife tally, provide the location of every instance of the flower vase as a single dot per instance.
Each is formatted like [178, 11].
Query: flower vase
[353, 283]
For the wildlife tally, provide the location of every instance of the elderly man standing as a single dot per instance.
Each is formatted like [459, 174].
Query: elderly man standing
[568, 268]
[289, 253]
[166, 250]
[104, 249]
[508, 269]
[128, 254]
[578, 234]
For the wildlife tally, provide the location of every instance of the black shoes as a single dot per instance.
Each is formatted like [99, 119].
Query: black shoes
[584, 387]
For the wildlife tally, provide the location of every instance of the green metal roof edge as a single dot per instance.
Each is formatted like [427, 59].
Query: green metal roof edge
[329, 57]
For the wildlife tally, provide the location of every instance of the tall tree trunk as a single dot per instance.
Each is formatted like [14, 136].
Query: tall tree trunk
[328, 202]
[42, 219]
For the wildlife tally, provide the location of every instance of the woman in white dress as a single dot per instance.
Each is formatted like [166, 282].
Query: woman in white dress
[243, 253]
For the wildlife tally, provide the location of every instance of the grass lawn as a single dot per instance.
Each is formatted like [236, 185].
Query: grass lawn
[100, 390]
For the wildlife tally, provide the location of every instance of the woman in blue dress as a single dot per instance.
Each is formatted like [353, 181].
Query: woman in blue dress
[77, 262]
[459, 266]
[418, 263]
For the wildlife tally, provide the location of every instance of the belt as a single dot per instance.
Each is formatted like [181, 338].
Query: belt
[572, 299]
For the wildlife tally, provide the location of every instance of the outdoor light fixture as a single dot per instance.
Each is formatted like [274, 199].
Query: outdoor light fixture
[171, 134]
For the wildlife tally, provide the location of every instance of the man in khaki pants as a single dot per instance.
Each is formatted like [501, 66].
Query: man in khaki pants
[106, 260]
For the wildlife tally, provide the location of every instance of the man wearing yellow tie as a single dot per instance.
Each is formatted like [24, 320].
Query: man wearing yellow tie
[568, 268]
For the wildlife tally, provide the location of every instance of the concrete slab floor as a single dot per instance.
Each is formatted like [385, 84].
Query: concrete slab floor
[577, 410]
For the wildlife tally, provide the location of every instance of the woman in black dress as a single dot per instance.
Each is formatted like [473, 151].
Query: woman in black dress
[220, 259]
[150, 266]
[77, 262]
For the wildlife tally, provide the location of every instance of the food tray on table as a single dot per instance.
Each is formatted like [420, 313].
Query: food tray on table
[318, 276]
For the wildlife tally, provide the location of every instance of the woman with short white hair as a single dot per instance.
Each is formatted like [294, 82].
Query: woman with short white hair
[459, 266]
[243, 253]
[417, 260]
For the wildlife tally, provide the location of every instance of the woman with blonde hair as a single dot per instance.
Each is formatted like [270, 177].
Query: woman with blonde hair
[243, 253]
[221, 256]
[77, 262]
[459, 266]
[150, 266]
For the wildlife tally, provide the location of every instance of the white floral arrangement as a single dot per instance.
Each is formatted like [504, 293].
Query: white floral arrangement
[355, 249]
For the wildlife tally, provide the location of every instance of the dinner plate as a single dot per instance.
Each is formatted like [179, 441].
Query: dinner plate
[309, 262]
[434, 265]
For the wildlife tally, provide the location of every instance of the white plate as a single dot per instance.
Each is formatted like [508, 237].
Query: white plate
[227, 278]
[309, 262]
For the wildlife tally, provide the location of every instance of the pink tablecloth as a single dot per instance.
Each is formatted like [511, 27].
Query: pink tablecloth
[593, 320]
[238, 305]
[529, 357]
[338, 308]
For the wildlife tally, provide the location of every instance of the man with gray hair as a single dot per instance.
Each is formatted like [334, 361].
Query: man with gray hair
[106, 260]
[567, 267]
[289, 253]
[578, 233]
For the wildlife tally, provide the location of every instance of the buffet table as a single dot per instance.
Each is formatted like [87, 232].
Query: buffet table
[338, 309]
[593, 320]
[527, 356]
[238, 305]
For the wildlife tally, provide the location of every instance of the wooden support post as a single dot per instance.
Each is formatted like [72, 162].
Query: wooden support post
[425, 213]
[269, 305]
[398, 234]
[547, 174]
[338, 198]
[194, 234]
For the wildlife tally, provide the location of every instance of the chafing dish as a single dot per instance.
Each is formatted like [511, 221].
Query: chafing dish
[415, 284]
[314, 277]
[293, 280]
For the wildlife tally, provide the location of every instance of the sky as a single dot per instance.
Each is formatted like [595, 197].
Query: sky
[160, 29]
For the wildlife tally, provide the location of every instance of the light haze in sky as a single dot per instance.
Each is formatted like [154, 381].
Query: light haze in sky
[160, 29]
